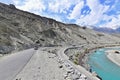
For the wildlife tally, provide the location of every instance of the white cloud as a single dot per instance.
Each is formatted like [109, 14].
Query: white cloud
[57, 18]
[16, 2]
[61, 6]
[96, 14]
[93, 17]
[76, 13]
[114, 23]
[30, 5]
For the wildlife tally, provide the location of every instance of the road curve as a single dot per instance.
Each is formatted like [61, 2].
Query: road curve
[62, 55]
[12, 64]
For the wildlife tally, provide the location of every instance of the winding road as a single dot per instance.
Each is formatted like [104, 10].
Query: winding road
[62, 55]
[12, 64]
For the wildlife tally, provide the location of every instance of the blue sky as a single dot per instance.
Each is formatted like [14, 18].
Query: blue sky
[100, 13]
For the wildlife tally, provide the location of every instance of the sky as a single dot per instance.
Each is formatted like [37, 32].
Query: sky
[99, 13]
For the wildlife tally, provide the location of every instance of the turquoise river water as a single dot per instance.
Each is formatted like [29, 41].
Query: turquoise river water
[103, 66]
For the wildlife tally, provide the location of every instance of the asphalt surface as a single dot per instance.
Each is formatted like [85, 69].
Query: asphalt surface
[12, 64]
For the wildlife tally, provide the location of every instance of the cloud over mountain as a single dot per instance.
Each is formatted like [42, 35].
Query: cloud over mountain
[102, 13]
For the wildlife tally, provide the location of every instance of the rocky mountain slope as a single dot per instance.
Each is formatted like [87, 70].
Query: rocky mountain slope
[20, 30]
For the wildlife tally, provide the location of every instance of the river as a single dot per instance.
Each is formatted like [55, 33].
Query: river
[106, 69]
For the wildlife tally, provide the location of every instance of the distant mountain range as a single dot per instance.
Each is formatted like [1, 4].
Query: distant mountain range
[107, 30]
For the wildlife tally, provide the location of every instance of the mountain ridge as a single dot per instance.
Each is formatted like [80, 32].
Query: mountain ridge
[20, 30]
[107, 30]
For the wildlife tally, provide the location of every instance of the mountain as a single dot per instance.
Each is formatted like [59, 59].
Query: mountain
[118, 29]
[21, 30]
[107, 30]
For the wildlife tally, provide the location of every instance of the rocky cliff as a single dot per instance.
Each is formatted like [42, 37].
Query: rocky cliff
[20, 30]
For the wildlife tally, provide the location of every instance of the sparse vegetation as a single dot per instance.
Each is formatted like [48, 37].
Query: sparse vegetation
[15, 24]
[76, 58]
[86, 50]
[84, 27]
[49, 33]
[100, 35]
[76, 61]
[82, 37]
[77, 55]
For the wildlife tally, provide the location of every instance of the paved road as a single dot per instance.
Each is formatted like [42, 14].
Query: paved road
[62, 55]
[12, 64]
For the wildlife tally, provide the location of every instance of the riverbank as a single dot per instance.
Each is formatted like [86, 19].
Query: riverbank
[89, 49]
[79, 55]
[105, 68]
[84, 58]
[82, 52]
[114, 56]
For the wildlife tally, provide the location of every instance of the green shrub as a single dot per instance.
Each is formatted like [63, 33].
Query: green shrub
[76, 61]
[77, 55]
